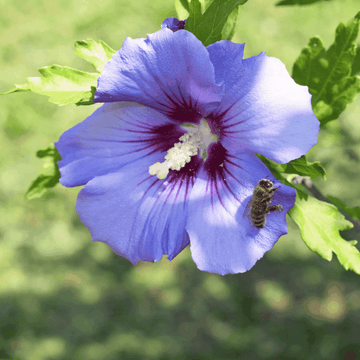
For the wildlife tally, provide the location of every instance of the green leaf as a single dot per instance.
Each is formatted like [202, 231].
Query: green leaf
[185, 4]
[96, 53]
[88, 98]
[327, 73]
[195, 14]
[49, 176]
[356, 64]
[353, 212]
[18, 88]
[209, 27]
[182, 9]
[299, 2]
[229, 28]
[320, 224]
[63, 84]
[298, 166]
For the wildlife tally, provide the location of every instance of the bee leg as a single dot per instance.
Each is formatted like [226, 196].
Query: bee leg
[273, 208]
[271, 192]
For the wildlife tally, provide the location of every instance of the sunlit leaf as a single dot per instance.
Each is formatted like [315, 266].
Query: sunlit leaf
[320, 224]
[96, 53]
[18, 88]
[299, 2]
[327, 73]
[182, 9]
[298, 166]
[49, 175]
[63, 84]
[229, 28]
[356, 64]
[354, 212]
[209, 27]
[88, 98]
[195, 15]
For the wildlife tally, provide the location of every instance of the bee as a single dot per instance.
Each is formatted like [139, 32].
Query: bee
[258, 208]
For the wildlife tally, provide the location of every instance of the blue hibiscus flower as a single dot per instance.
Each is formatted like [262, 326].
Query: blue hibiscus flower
[169, 159]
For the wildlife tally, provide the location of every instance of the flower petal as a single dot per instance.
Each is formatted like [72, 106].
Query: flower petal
[138, 216]
[173, 23]
[263, 110]
[222, 240]
[169, 71]
[114, 135]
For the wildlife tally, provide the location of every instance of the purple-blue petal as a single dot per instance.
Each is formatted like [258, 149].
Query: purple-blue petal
[114, 135]
[173, 24]
[138, 216]
[222, 239]
[169, 72]
[263, 110]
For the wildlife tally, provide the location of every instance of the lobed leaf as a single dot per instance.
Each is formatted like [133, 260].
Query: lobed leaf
[88, 98]
[182, 9]
[209, 27]
[229, 28]
[328, 73]
[63, 84]
[18, 88]
[298, 2]
[49, 175]
[96, 53]
[353, 212]
[320, 224]
[356, 64]
[298, 166]
[195, 14]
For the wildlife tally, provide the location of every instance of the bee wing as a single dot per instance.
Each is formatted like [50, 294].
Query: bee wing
[248, 208]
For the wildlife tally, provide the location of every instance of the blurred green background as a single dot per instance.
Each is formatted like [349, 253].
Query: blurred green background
[63, 296]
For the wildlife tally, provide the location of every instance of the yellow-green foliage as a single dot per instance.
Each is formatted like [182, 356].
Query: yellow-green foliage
[64, 297]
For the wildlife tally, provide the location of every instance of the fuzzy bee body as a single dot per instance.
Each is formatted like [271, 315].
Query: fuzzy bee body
[258, 208]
